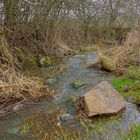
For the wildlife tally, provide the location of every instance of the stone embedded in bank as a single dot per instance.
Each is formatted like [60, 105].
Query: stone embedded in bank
[103, 99]
[94, 61]
[108, 64]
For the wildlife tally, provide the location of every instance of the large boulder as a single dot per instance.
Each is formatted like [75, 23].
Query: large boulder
[103, 99]
[108, 63]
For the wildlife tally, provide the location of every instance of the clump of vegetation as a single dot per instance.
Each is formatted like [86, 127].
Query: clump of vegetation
[133, 72]
[30, 64]
[130, 46]
[129, 84]
[16, 89]
[48, 61]
[20, 56]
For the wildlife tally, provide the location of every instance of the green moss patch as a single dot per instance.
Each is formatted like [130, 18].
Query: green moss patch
[30, 64]
[78, 84]
[48, 61]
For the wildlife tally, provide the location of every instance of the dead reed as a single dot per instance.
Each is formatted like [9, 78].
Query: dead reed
[131, 45]
[16, 89]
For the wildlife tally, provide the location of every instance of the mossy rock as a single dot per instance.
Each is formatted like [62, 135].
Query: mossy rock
[108, 64]
[78, 84]
[30, 64]
[48, 61]
[20, 56]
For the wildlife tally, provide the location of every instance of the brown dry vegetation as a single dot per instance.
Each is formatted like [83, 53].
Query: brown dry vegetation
[40, 27]
[16, 89]
[131, 46]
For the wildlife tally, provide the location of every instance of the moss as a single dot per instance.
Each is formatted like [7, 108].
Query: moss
[48, 61]
[20, 56]
[30, 64]
[78, 84]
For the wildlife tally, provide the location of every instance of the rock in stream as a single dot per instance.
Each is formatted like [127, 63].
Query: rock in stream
[103, 99]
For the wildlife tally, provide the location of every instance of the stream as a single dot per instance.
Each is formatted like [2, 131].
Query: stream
[99, 128]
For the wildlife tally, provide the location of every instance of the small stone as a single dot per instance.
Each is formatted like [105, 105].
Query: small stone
[78, 84]
[51, 81]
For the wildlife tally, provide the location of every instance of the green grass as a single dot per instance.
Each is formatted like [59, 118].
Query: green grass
[120, 82]
[134, 134]
[129, 84]
[133, 72]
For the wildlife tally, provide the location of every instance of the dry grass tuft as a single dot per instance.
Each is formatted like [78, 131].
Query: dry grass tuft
[131, 45]
[16, 89]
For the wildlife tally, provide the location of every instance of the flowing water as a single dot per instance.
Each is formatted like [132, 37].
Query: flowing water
[99, 128]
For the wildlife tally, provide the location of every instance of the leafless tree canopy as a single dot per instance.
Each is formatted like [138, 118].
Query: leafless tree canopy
[43, 23]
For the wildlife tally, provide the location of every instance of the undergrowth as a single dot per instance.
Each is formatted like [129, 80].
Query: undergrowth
[16, 89]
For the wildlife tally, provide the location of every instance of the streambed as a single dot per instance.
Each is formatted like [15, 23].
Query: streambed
[101, 128]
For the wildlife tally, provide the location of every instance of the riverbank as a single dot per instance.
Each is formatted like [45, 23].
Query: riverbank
[65, 122]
